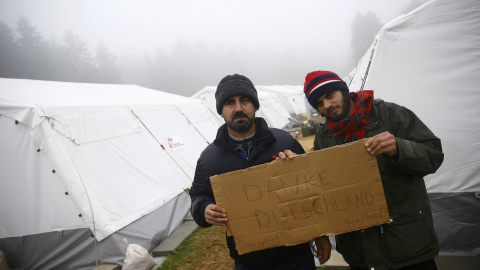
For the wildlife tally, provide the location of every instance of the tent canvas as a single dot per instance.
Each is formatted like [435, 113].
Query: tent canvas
[82, 160]
[277, 103]
[428, 61]
[292, 97]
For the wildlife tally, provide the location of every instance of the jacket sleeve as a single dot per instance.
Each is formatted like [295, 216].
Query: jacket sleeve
[297, 147]
[201, 195]
[419, 150]
[316, 145]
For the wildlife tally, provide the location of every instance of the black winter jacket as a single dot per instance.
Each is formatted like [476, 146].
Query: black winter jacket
[220, 157]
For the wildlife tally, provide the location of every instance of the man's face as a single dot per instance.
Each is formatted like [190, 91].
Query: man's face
[334, 105]
[239, 114]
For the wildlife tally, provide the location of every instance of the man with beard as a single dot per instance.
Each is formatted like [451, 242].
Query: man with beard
[245, 141]
[406, 151]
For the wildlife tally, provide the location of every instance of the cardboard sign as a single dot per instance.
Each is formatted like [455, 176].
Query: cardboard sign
[287, 202]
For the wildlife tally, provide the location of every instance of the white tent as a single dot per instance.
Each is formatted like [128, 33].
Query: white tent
[82, 160]
[429, 61]
[292, 97]
[277, 103]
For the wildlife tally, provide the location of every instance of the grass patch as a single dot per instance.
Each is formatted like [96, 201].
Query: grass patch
[205, 249]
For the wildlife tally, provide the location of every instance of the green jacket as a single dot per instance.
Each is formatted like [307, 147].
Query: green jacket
[410, 237]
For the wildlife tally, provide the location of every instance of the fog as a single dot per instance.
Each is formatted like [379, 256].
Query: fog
[182, 46]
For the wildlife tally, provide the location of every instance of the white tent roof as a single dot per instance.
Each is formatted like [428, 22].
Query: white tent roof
[429, 61]
[292, 96]
[119, 152]
[207, 95]
[277, 103]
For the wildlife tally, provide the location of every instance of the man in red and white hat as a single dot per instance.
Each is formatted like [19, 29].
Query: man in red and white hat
[406, 151]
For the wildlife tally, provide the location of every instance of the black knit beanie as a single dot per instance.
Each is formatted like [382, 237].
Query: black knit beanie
[235, 85]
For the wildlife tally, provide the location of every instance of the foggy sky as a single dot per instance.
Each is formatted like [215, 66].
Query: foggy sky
[317, 32]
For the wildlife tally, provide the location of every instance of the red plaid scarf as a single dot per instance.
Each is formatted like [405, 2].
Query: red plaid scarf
[353, 127]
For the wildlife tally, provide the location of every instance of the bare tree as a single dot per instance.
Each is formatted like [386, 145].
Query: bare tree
[78, 55]
[105, 65]
[8, 52]
[31, 48]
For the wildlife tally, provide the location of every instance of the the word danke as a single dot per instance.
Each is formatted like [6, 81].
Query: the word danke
[283, 188]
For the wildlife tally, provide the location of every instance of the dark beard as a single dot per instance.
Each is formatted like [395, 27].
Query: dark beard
[346, 108]
[243, 125]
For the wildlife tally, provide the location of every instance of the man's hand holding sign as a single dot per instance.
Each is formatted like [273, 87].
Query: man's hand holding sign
[326, 192]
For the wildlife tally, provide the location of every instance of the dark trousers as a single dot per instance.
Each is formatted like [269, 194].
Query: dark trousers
[304, 261]
[427, 265]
